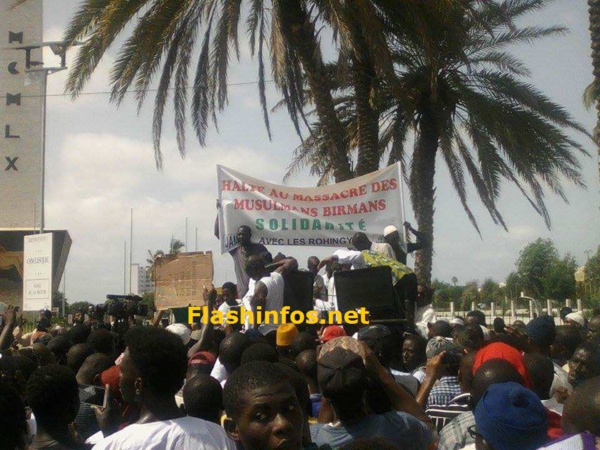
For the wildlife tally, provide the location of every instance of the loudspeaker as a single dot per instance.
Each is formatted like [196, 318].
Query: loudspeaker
[370, 288]
[298, 291]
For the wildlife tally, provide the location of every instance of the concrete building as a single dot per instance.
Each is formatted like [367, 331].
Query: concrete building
[141, 280]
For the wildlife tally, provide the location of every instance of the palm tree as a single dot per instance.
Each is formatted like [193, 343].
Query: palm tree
[166, 34]
[175, 246]
[461, 95]
[594, 11]
[151, 261]
[167, 31]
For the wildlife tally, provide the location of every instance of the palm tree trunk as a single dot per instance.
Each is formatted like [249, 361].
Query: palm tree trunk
[300, 32]
[367, 117]
[594, 11]
[422, 189]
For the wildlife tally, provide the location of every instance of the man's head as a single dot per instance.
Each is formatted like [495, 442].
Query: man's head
[499, 325]
[575, 319]
[343, 381]
[262, 409]
[77, 355]
[441, 328]
[255, 267]
[593, 329]
[391, 234]
[500, 350]
[413, 352]
[331, 332]
[564, 312]
[582, 409]
[491, 372]
[102, 341]
[60, 346]
[584, 364]
[149, 353]
[92, 368]
[307, 363]
[541, 332]
[504, 412]
[313, 264]
[541, 373]
[380, 340]
[43, 324]
[304, 341]
[465, 372]
[53, 396]
[360, 241]
[260, 351]
[201, 363]
[44, 356]
[424, 295]
[565, 343]
[13, 420]
[231, 349]
[284, 338]
[203, 398]
[229, 291]
[477, 317]
[79, 333]
[244, 235]
[468, 338]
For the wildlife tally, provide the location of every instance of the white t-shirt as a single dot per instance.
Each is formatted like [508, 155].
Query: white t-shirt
[274, 301]
[185, 433]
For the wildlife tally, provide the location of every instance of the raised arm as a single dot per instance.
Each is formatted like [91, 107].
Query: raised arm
[258, 299]
[206, 335]
[285, 266]
[400, 399]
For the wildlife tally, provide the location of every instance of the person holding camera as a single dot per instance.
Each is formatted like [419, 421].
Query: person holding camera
[443, 362]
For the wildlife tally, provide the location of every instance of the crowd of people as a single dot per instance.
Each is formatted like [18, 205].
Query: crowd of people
[418, 383]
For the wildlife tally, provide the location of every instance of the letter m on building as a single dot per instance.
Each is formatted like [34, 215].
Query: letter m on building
[15, 37]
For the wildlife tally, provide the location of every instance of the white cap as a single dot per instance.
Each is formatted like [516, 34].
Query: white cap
[389, 230]
[576, 317]
[457, 321]
[180, 330]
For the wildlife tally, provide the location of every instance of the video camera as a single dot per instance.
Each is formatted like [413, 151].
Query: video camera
[123, 306]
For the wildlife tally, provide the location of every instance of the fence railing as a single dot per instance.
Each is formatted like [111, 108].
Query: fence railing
[512, 310]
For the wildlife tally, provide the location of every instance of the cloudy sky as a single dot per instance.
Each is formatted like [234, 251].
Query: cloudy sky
[100, 165]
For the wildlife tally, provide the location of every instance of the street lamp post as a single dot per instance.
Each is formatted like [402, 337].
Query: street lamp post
[33, 68]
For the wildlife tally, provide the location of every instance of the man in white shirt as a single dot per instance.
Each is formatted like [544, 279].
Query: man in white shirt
[265, 291]
[152, 371]
[361, 242]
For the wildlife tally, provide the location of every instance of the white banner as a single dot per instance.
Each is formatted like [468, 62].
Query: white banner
[20, 115]
[318, 216]
[37, 272]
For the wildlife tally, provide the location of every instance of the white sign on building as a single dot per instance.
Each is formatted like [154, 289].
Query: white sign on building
[20, 116]
[37, 272]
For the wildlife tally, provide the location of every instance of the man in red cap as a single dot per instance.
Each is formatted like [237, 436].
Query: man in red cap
[332, 332]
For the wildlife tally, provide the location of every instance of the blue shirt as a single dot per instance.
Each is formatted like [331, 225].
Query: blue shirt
[397, 427]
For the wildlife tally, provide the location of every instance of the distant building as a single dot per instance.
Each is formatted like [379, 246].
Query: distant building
[141, 280]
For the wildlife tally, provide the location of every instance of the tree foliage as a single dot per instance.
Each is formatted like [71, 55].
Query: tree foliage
[543, 274]
[462, 96]
[81, 306]
[433, 74]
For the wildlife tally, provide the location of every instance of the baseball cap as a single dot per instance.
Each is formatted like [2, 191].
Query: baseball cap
[180, 330]
[510, 416]
[332, 332]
